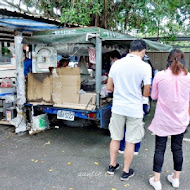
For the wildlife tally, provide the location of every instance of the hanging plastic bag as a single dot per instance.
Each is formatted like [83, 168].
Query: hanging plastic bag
[104, 91]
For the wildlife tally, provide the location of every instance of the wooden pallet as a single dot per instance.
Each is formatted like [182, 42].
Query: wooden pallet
[4, 122]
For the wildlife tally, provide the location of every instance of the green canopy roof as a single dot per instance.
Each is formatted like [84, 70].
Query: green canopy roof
[81, 35]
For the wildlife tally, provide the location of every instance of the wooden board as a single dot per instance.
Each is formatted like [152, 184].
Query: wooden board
[76, 106]
[40, 103]
[3, 122]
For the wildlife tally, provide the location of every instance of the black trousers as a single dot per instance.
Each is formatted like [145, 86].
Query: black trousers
[176, 148]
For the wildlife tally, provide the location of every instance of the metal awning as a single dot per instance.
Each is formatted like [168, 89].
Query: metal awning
[14, 21]
[9, 25]
[25, 25]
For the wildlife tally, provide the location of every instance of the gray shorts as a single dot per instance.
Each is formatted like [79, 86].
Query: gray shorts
[134, 128]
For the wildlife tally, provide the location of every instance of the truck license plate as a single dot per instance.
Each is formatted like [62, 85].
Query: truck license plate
[66, 115]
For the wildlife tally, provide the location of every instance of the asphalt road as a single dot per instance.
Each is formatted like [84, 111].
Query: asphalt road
[71, 158]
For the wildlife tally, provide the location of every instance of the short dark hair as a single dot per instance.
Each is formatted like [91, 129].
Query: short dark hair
[114, 54]
[137, 45]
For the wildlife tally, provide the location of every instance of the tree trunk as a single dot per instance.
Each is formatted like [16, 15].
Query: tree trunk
[92, 20]
[105, 14]
[72, 3]
[97, 20]
[158, 31]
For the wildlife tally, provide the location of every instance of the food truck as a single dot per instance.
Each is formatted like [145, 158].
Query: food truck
[72, 92]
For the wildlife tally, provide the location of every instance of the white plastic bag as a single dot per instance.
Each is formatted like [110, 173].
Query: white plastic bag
[19, 122]
[104, 91]
[40, 122]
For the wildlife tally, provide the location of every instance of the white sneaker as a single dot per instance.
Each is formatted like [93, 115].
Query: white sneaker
[121, 151]
[157, 185]
[174, 182]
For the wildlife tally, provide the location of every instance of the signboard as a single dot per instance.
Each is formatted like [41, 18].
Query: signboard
[92, 55]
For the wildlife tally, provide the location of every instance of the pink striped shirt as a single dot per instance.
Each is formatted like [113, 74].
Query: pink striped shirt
[173, 95]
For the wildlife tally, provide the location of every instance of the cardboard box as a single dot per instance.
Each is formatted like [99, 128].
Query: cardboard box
[66, 87]
[39, 87]
[68, 71]
[56, 89]
[88, 98]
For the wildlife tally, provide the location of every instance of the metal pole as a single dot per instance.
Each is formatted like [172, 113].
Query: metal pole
[0, 49]
[98, 69]
[21, 94]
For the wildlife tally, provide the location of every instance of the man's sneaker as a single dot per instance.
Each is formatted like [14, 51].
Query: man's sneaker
[174, 182]
[157, 185]
[136, 153]
[122, 152]
[111, 169]
[125, 176]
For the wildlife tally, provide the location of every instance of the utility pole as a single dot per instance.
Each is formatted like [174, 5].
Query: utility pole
[20, 125]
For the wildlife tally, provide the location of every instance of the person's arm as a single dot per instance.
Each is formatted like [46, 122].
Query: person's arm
[154, 92]
[146, 90]
[110, 85]
[147, 80]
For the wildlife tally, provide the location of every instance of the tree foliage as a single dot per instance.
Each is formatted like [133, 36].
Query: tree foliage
[149, 17]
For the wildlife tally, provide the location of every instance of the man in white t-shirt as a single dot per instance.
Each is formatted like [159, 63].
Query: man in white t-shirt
[125, 79]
